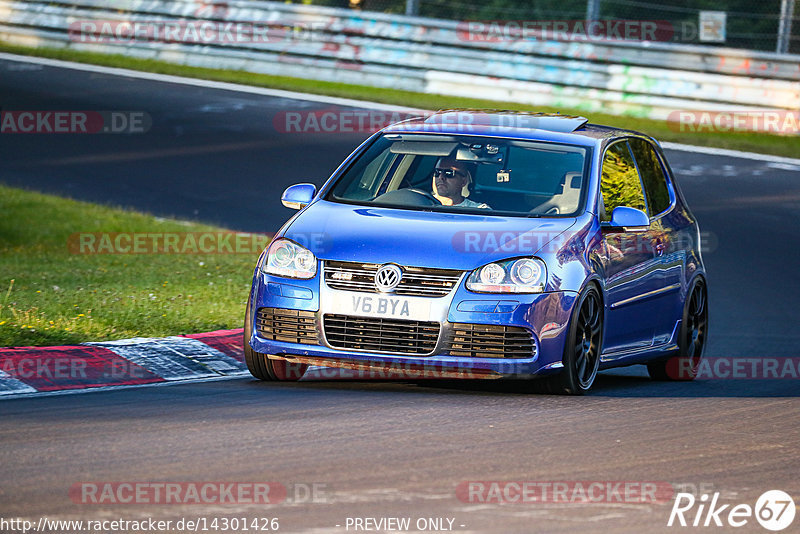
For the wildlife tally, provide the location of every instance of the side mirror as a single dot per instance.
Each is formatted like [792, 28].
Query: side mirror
[627, 218]
[298, 196]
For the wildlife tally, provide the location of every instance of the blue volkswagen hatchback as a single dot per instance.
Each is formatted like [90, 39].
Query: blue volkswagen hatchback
[485, 244]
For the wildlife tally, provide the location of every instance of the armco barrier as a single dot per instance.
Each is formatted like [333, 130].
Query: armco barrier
[427, 55]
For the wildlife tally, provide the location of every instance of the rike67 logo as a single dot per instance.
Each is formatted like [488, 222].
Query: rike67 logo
[774, 510]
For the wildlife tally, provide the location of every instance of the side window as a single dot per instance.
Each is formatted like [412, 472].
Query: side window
[653, 178]
[619, 182]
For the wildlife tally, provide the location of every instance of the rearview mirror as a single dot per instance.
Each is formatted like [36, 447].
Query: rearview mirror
[627, 218]
[298, 196]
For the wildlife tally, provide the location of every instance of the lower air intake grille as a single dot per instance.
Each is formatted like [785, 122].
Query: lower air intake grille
[291, 326]
[490, 341]
[381, 335]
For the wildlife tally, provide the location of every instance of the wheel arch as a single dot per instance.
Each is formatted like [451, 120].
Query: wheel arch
[597, 282]
[692, 280]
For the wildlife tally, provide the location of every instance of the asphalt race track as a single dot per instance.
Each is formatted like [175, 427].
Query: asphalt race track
[393, 449]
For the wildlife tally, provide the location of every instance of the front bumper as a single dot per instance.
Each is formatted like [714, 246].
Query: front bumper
[545, 316]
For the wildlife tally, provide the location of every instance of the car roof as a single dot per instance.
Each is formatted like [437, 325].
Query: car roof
[511, 124]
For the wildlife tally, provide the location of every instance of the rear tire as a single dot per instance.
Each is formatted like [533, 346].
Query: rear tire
[583, 346]
[683, 366]
[260, 365]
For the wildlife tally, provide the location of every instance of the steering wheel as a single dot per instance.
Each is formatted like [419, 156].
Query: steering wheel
[429, 196]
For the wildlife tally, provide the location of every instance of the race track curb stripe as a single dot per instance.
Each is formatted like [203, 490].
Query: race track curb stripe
[25, 371]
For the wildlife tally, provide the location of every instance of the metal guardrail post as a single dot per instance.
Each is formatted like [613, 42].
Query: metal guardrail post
[592, 11]
[412, 8]
[785, 26]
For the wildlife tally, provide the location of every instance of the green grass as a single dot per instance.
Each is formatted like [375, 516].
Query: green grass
[782, 145]
[50, 295]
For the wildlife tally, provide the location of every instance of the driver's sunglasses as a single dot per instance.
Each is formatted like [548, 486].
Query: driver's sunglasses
[447, 173]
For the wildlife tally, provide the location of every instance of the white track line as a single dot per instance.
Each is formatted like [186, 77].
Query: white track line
[731, 153]
[226, 86]
[362, 104]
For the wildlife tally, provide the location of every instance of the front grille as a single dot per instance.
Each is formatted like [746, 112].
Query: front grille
[381, 335]
[489, 341]
[416, 281]
[291, 326]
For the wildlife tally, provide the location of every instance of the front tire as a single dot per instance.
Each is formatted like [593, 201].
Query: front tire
[583, 346]
[691, 339]
[260, 365]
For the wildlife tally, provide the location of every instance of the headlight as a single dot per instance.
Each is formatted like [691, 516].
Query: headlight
[525, 275]
[285, 258]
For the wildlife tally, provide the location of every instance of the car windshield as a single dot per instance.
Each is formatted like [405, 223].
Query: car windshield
[464, 173]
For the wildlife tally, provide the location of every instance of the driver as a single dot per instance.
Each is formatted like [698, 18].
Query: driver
[450, 178]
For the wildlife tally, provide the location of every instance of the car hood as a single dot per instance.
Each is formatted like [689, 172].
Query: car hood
[346, 232]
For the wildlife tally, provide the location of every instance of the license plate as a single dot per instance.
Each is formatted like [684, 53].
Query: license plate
[372, 305]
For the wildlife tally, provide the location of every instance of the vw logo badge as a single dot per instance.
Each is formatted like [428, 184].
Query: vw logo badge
[387, 277]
